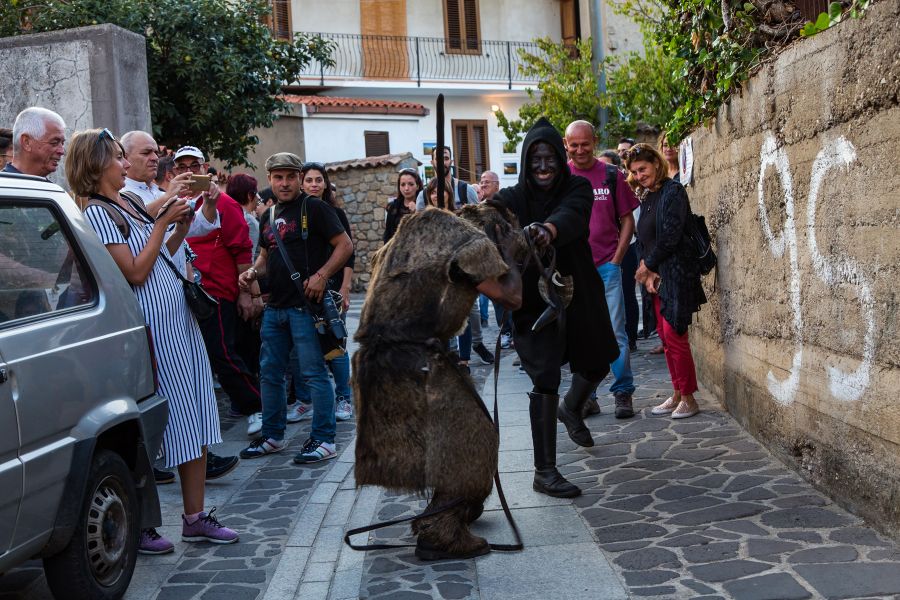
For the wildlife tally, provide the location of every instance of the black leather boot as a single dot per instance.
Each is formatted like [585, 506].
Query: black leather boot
[570, 410]
[547, 480]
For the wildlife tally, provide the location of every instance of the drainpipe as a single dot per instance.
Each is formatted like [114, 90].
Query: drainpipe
[598, 56]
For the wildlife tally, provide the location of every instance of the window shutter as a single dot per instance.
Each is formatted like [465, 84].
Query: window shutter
[471, 24]
[454, 24]
[479, 148]
[377, 143]
[281, 20]
[462, 152]
[470, 149]
[461, 26]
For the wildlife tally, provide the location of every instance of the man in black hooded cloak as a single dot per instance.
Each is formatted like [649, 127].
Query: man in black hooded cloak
[558, 206]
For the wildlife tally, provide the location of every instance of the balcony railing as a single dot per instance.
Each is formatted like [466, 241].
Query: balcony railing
[422, 59]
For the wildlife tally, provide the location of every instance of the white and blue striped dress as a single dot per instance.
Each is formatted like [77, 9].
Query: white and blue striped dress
[183, 366]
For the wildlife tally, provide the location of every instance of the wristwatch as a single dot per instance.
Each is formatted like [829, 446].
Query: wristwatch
[254, 271]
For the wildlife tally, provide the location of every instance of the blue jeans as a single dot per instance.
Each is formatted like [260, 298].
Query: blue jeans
[340, 371]
[615, 301]
[283, 329]
[483, 306]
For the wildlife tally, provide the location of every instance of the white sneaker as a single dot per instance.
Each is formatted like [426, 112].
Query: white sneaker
[299, 412]
[505, 340]
[254, 424]
[344, 410]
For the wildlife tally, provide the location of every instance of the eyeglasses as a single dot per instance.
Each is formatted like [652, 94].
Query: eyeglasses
[105, 134]
[193, 167]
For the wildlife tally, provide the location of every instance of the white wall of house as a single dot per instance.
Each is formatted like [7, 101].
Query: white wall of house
[331, 16]
[513, 20]
[336, 137]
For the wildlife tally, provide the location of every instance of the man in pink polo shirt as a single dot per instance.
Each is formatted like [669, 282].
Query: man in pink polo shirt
[222, 255]
[611, 227]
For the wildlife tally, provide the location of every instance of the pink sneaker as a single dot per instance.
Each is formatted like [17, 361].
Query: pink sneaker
[207, 529]
[153, 543]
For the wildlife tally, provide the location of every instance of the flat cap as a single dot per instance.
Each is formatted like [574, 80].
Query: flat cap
[284, 160]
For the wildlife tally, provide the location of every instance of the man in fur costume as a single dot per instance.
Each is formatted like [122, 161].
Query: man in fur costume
[419, 423]
[557, 205]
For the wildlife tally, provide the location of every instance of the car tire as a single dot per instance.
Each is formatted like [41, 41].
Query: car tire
[99, 559]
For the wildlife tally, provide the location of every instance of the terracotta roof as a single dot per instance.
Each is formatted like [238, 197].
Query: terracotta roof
[334, 104]
[371, 161]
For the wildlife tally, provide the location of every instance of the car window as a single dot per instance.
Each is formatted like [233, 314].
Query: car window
[39, 271]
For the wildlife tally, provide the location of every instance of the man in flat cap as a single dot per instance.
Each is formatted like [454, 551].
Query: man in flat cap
[309, 229]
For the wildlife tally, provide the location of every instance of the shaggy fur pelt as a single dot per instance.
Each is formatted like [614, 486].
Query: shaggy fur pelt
[420, 427]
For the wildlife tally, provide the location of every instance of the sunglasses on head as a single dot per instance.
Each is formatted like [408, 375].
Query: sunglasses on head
[314, 165]
[105, 134]
[633, 152]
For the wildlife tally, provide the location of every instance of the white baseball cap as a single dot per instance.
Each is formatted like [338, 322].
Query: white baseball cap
[189, 151]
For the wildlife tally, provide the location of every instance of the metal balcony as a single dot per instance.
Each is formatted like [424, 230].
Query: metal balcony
[422, 59]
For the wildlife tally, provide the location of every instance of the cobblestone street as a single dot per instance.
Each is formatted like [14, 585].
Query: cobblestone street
[690, 509]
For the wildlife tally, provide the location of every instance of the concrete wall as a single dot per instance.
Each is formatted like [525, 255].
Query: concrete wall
[799, 176]
[323, 129]
[92, 76]
[285, 135]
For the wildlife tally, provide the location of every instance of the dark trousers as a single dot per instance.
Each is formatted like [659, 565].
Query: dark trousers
[239, 383]
[629, 268]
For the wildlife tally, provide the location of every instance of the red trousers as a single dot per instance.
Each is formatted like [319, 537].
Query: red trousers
[678, 354]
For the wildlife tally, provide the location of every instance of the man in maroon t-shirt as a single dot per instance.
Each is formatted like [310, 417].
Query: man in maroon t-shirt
[222, 255]
[611, 227]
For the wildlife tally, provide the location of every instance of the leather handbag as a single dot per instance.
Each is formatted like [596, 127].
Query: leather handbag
[198, 300]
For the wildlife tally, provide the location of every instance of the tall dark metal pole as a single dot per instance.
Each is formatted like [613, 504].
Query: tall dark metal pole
[598, 57]
[439, 169]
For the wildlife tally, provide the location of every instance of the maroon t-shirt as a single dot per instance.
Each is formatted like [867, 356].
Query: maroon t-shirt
[606, 212]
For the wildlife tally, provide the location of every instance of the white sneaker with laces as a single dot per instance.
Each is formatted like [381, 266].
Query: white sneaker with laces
[344, 410]
[254, 424]
[299, 412]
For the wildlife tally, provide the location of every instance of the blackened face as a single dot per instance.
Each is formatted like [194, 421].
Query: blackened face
[543, 165]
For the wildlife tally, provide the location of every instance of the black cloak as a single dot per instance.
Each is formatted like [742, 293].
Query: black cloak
[589, 338]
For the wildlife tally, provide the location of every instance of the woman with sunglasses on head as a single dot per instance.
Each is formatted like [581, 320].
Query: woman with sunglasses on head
[315, 182]
[668, 270]
[409, 184]
[95, 168]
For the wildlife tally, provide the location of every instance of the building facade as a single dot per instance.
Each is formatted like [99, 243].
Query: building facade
[393, 57]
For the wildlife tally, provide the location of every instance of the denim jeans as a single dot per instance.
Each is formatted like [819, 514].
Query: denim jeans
[483, 302]
[284, 329]
[340, 371]
[615, 301]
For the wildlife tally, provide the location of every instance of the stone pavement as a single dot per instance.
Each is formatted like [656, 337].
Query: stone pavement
[691, 509]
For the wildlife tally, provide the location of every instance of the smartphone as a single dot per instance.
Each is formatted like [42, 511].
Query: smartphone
[199, 183]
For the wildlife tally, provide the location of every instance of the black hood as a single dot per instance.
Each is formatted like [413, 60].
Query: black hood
[544, 131]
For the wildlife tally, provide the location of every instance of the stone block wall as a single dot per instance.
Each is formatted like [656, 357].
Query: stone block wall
[92, 76]
[799, 176]
[365, 186]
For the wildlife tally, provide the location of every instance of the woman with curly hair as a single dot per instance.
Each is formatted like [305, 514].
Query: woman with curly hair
[668, 270]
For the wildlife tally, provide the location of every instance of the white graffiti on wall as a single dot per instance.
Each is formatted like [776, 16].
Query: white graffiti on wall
[843, 386]
[832, 271]
[772, 155]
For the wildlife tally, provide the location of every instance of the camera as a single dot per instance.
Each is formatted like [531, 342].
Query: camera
[328, 315]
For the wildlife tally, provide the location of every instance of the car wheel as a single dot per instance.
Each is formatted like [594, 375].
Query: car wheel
[99, 560]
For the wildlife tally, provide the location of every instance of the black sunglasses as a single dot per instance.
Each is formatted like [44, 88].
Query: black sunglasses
[632, 152]
[313, 165]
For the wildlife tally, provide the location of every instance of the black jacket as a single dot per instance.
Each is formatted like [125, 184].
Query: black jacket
[590, 341]
[681, 293]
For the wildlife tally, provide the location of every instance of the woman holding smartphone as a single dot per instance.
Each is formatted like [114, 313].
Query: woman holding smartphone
[95, 168]
[667, 270]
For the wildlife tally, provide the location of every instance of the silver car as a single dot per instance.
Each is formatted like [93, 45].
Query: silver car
[80, 420]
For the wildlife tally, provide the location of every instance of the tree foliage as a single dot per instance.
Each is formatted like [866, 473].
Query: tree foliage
[641, 88]
[214, 70]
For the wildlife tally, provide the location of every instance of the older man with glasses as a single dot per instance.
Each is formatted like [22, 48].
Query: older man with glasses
[38, 141]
